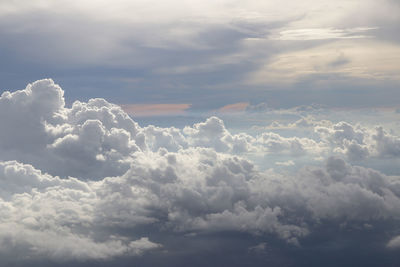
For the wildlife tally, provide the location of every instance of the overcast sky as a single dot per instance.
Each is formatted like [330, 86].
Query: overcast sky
[206, 54]
[200, 133]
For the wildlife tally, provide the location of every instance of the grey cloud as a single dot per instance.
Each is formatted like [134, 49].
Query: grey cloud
[49, 217]
[199, 55]
[132, 182]
[65, 141]
[394, 243]
[359, 143]
[274, 143]
[387, 145]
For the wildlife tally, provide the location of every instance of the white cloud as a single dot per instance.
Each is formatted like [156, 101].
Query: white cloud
[324, 33]
[192, 180]
[64, 246]
[285, 163]
[387, 145]
[212, 133]
[295, 146]
[49, 217]
[358, 142]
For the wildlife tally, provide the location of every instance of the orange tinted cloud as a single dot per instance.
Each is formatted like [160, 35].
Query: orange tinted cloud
[236, 107]
[143, 110]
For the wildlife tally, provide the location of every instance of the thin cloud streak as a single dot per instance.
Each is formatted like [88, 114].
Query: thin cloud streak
[146, 110]
[236, 107]
[323, 33]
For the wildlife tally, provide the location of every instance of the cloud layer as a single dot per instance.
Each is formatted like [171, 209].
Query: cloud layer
[191, 52]
[82, 182]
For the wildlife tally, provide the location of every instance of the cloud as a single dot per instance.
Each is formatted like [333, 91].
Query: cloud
[339, 58]
[260, 248]
[273, 143]
[48, 217]
[212, 46]
[212, 133]
[304, 122]
[324, 33]
[237, 107]
[65, 141]
[394, 243]
[359, 143]
[387, 145]
[139, 110]
[285, 163]
[260, 107]
[87, 182]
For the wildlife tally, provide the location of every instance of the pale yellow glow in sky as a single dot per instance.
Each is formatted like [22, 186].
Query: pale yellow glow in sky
[358, 58]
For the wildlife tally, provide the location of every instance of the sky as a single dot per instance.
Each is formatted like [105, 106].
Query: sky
[201, 133]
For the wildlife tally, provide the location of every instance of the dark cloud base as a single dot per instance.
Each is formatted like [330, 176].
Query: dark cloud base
[322, 248]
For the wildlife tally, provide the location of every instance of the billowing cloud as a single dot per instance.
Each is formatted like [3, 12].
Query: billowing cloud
[48, 217]
[358, 142]
[87, 182]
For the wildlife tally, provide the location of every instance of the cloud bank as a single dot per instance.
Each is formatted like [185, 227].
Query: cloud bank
[204, 53]
[82, 182]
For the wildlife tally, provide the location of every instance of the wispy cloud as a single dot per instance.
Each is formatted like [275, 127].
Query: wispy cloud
[143, 110]
[236, 107]
[349, 58]
[323, 33]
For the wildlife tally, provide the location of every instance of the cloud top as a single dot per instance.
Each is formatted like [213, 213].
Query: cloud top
[82, 182]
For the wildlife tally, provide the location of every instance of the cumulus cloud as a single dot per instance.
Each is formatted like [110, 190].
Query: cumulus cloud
[50, 217]
[359, 142]
[89, 139]
[303, 122]
[293, 145]
[386, 145]
[81, 183]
